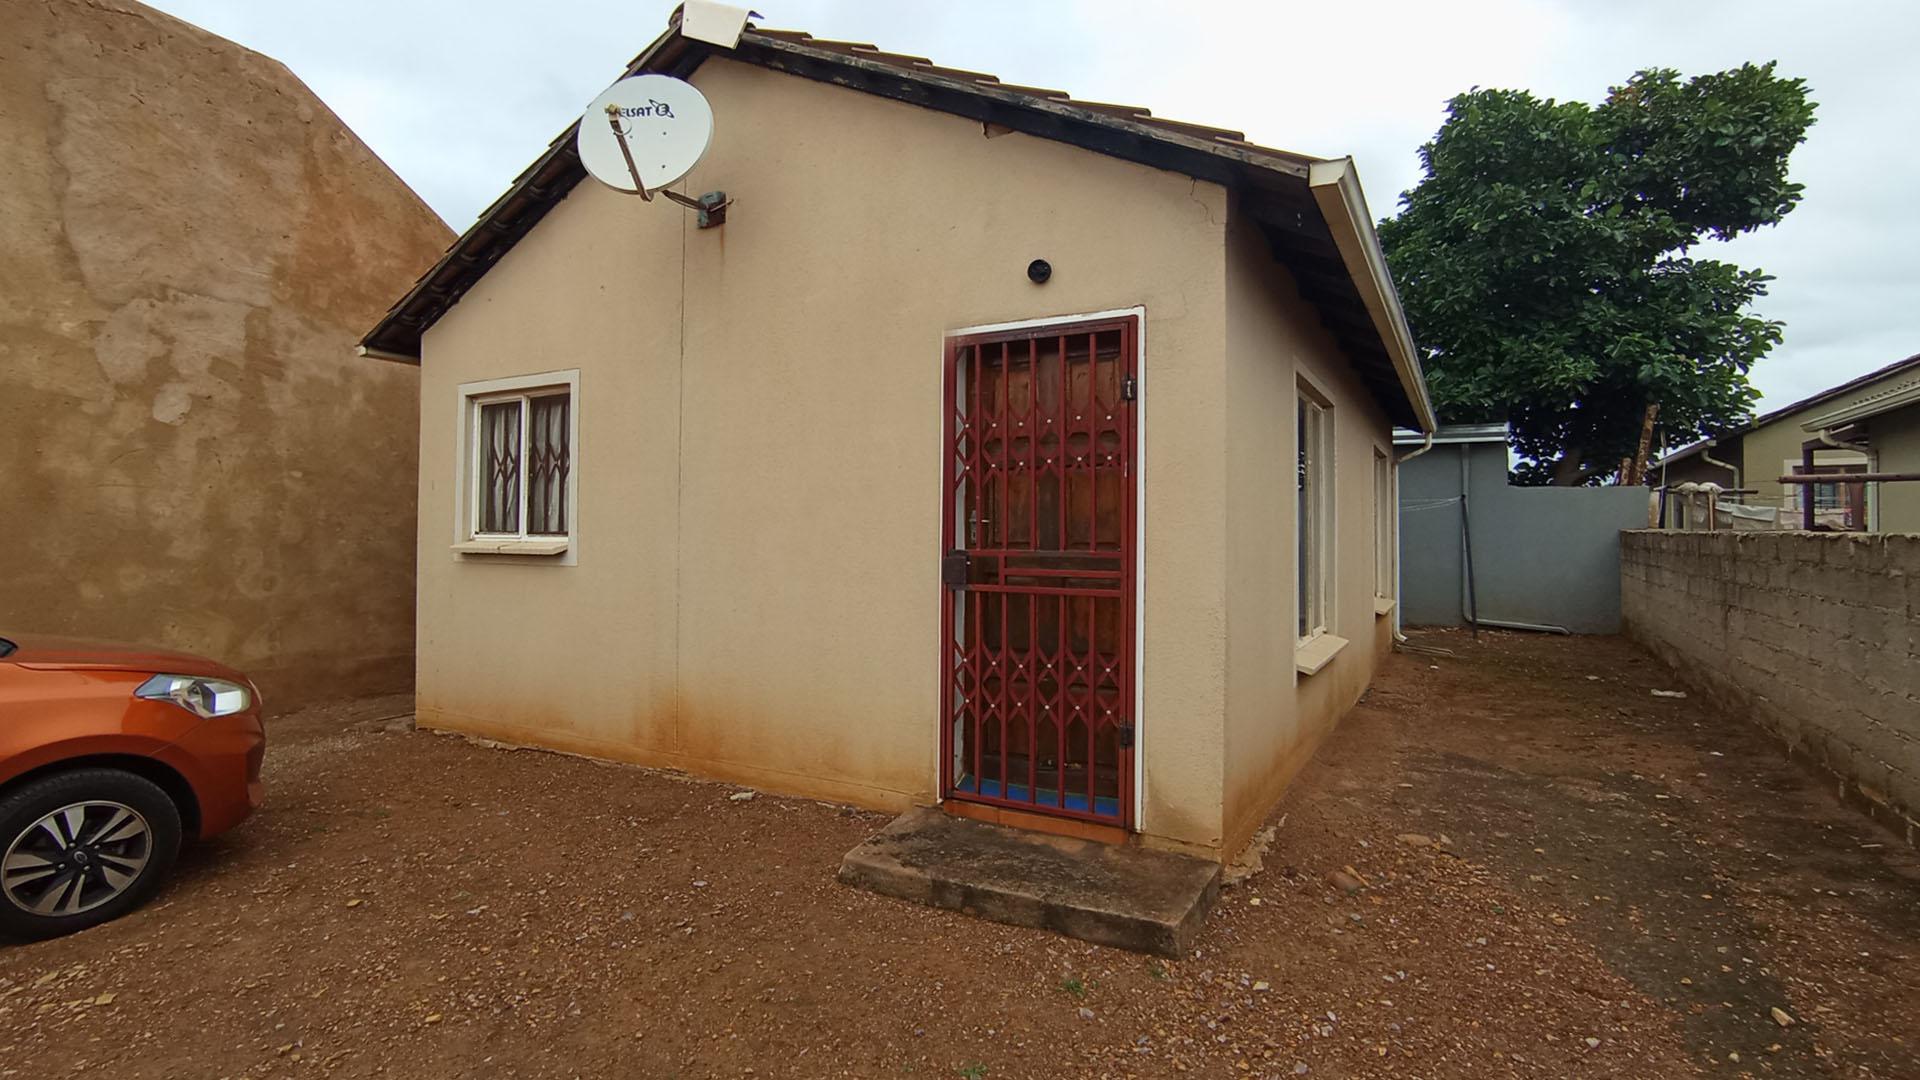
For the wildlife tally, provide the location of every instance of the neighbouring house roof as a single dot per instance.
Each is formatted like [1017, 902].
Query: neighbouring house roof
[1311, 210]
[1911, 363]
[1896, 395]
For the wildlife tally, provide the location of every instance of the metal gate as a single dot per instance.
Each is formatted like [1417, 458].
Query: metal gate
[1037, 609]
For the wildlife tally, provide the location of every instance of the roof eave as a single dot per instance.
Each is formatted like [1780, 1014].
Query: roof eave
[1879, 405]
[1336, 188]
[397, 335]
[1448, 434]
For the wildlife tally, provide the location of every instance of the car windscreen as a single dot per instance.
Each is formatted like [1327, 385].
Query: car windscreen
[6, 646]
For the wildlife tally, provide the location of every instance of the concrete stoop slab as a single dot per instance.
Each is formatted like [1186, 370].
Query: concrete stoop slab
[1128, 897]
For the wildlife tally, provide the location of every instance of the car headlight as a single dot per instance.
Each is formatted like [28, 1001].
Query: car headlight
[201, 696]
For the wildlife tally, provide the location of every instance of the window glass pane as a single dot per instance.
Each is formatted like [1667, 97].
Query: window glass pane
[500, 467]
[1382, 526]
[548, 459]
[1315, 512]
[1304, 523]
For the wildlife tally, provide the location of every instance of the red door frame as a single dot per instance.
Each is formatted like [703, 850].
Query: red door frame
[956, 463]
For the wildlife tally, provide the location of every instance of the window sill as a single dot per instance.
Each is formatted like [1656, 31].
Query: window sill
[511, 547]
[1317, 652]
[1383, 605]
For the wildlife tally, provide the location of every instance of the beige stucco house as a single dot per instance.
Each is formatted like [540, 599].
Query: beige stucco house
[1870, 424]
[845, 498]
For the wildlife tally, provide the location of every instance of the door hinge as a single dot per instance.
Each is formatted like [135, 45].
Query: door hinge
[954, 569]
[1126, 736]
[1129, 388]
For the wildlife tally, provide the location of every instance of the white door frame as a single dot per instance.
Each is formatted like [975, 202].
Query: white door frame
[1140, 727]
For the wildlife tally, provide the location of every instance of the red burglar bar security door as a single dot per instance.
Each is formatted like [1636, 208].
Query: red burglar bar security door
[1038, 573]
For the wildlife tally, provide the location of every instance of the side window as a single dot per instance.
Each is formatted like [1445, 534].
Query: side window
[1314, 510]
[518, 487]
[523, 462]
[1383, 521]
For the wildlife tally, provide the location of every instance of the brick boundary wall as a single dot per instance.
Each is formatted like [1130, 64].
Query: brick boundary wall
[1815, 636]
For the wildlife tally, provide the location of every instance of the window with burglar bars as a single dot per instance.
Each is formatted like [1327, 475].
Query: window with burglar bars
[522, 461]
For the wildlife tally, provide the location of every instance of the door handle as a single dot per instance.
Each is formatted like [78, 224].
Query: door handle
[973, 528]
[955, 569]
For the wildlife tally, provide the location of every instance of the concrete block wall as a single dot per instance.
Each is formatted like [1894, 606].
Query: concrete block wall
[1815, 635]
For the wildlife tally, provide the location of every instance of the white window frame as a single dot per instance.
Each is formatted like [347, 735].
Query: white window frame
[1317, 582]
[1385, 533]
[1865, 460]
[472, 396]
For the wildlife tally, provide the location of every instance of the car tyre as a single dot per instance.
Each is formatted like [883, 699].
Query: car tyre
[80, 848]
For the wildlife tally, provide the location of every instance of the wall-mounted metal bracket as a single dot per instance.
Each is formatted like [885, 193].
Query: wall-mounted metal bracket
[712, 206]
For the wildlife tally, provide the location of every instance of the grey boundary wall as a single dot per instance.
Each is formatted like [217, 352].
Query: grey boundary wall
[1542, 555]
[1814, 635]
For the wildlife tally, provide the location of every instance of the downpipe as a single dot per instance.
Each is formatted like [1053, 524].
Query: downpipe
[1398, 601]
[1543, 628]
[1711, 460]
[1469, 595]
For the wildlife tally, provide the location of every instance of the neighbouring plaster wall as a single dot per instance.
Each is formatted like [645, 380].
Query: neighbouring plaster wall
[1770, 450]
[1815, 635]
[1896, 449]
[756, 594]
[190, 453]
[1276, 717]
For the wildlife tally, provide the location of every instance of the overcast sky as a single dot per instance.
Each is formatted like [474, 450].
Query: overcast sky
[460, 95]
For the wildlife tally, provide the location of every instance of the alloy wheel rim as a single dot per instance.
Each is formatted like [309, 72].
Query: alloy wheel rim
[76, 858]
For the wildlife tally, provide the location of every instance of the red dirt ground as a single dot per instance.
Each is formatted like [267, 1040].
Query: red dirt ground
[1623, 886]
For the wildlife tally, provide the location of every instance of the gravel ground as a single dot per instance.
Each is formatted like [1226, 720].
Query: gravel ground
[1509, 861]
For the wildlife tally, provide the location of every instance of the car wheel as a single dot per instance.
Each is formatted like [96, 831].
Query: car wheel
[79, 848]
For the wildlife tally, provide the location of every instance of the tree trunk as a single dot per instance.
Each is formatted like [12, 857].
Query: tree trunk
[1567, 471]
[1645, 447]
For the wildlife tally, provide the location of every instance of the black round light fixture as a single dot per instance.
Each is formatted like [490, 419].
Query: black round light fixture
[1039, 270]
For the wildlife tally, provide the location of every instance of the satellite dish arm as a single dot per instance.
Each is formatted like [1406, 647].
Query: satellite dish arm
[619, 136]
[712, 207]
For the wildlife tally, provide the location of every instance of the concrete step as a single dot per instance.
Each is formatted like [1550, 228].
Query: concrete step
[1128, 897]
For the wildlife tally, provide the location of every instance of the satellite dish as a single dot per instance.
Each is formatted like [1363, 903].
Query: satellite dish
[644, 133]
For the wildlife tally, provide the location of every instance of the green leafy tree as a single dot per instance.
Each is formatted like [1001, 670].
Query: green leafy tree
[1546, 266]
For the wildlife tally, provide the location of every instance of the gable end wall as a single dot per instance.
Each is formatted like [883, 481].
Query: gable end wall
[756, 590]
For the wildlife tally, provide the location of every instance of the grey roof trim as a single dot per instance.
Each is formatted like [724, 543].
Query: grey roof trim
[1453, 433]
[1900, 395]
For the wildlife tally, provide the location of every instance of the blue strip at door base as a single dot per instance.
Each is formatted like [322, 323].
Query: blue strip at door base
[1044, 797]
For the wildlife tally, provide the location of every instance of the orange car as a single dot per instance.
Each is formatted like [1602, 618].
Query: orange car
[109, 755]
